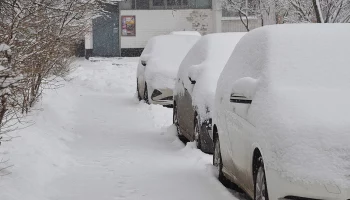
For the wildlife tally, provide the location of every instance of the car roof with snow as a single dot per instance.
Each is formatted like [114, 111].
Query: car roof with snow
[163, 55]
[169, 48]
[211, 52]
[295, 55]
[204, 63]
[196, 33]
[299, 57]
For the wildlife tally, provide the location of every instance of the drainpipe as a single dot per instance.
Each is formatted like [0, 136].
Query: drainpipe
[89, 42]
[217, 16]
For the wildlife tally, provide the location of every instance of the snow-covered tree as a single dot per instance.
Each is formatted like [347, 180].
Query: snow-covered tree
[335, 11]
[290, 11]
[242, 8]
[40, 38]
[297, 11]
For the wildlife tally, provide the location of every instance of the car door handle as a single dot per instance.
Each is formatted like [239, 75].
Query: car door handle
[237, 98]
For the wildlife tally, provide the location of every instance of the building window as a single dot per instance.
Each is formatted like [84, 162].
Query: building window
[203, 4]
[158, 3]
[142, 4]
[235, 9]
[165, 4]
[127, 5]
[173, 2]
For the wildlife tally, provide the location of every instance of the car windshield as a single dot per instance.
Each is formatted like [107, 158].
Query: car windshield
[169, 48]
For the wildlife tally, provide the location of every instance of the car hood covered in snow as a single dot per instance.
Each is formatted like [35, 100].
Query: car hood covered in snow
[163, 55]
[204, 63]
[300, 108]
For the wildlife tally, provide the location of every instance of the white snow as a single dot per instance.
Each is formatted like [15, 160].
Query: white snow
[204, 63]
[185, 33]
[301, 106]
[163, 55]
[94, 140]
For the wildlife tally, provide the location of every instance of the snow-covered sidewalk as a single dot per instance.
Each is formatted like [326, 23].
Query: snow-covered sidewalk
[95, 141]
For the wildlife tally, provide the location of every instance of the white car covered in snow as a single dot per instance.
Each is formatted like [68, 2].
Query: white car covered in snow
[195, 87]
[158, 66]
[282, 113]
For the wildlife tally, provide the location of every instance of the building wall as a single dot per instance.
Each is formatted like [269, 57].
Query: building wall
[151, 23]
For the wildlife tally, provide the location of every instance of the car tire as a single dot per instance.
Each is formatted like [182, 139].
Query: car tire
[217, 162]
[138, 90]
[145, 94]
[260, 186]
[197, 132]
[176, 122]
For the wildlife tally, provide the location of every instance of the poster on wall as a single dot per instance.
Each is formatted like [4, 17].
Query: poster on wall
[128, 25]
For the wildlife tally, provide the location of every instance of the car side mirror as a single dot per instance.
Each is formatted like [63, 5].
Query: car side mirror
[192, 81]
[144, 59]
[243, 90]
[238, 98]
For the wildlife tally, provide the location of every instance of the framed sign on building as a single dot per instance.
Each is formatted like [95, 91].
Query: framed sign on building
[128, 25]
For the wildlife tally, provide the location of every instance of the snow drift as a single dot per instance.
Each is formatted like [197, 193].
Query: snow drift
[38, 151]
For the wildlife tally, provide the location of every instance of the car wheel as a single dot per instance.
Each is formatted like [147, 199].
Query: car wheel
[145, 94]
[217, 161]
[138, 90]
[260, 186]
[197, 133]
[176, 122]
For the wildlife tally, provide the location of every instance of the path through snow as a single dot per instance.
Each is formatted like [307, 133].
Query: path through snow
[102, 144]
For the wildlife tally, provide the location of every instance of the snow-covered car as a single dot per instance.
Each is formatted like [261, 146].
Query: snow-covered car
[158, 66]
[195, 87]
[281, 124]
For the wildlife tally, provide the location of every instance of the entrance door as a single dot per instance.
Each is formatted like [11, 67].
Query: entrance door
[106, 33]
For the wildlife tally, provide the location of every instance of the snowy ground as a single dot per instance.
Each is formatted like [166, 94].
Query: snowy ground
[94, 140]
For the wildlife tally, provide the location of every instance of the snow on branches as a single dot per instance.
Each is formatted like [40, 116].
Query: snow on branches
[38, 39]
[290, 11]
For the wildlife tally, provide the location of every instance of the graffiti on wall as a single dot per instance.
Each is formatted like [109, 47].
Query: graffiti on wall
[200, 21]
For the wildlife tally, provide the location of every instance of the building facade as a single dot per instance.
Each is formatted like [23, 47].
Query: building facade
[158, 17]
[133, 22]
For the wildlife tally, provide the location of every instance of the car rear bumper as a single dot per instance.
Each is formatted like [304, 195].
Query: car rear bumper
[283, 189]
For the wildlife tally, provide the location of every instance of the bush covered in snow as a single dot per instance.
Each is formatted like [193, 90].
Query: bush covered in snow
[37, 41]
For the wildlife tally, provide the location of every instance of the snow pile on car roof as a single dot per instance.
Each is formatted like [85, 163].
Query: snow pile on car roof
[185, 33]
[301, 107]
[204, 63]
[164, 55]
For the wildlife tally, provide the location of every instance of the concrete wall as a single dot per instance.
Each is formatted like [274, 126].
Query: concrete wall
[151, 23]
